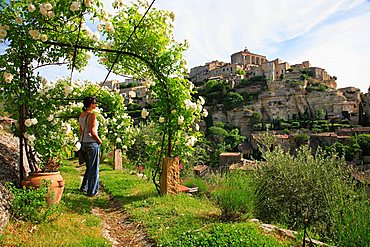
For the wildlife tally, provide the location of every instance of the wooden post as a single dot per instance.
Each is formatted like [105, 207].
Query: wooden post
[117, 159]
[170, 176]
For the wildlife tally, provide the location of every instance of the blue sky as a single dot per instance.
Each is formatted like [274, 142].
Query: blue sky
[331, 34]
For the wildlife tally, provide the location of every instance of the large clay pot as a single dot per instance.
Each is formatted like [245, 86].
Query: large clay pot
[56, 184]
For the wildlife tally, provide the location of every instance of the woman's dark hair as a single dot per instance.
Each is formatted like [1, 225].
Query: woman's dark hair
[87, 102]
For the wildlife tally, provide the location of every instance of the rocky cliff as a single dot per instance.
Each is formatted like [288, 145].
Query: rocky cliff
[283, 100]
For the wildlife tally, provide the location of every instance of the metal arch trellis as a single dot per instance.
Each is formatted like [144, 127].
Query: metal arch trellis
[76, 46]
[119, 52]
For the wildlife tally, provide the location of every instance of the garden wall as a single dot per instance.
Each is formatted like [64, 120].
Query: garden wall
[9, 156]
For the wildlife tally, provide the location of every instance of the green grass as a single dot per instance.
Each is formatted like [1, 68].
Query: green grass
[76, 226]
[170, 219]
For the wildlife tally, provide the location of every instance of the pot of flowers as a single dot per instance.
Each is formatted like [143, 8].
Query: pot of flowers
[53, 179]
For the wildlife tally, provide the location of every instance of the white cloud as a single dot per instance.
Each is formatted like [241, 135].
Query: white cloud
[332, 34]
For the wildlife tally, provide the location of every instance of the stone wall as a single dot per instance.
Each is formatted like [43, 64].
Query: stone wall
[8, 173]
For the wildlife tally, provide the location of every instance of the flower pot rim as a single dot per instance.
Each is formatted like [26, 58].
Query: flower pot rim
[44, 173]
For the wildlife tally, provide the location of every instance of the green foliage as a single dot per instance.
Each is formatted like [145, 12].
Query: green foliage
[129, 85]
[317, 87]
[253, 80]
[295, 125]
[256, 118]
[315, 187]
[249, 97]
[226, 234]
[217, 134]
[363, 141]
[241, 72]
[29, 204]
[234, 193]
[296, 83]
[233, 100]
[301, 139]
[214, 86]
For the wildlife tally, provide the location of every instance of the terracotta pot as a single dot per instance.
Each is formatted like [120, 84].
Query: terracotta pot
[56, 185]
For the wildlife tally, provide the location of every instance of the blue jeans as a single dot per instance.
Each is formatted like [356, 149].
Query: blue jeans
[90, 182]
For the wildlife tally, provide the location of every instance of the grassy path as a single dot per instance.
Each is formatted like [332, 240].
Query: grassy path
[83, 221]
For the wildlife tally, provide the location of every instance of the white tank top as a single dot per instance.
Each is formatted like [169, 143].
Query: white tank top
[85, 126]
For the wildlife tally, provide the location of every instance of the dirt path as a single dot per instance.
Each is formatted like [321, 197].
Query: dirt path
[118, 228]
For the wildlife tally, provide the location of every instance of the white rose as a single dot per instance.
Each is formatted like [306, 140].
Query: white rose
[173, 112]
[51, 14]
[124, 147]
[43, 11]
[31, 8]
[75, 6]
[19, 20]
[197, 127]
[28, 122]
[191, 85]
[8, 77]
[161, 119]
[193, 106]
[67, 90]
[201, 100]
[118, 140]
[190, 141]
[180, 120]
[144, 113]
[205, 112]
[109, 27]
[187, 103]
[31, 138]
[3, 33]
[34, 121]
[34, 33]
[44, 38]
[26, 135]
[48, 6]
[67, 128]
[50, 118]
[132, 94]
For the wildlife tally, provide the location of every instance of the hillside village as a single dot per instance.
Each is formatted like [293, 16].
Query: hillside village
[271, 95]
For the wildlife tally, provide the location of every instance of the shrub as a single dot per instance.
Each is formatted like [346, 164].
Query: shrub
[29, 204]
[315, 187]
[295, 125]
[301, 139]
[234, 193]
[233, 100]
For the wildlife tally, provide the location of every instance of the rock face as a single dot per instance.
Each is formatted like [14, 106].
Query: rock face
[8, 173]
[284, 101]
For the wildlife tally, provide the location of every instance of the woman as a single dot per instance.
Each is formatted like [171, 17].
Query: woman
[90, 146]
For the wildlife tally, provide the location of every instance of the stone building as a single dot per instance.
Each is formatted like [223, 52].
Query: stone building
[247, 59]
[136, 95]
[225, 71]
[203, 72]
